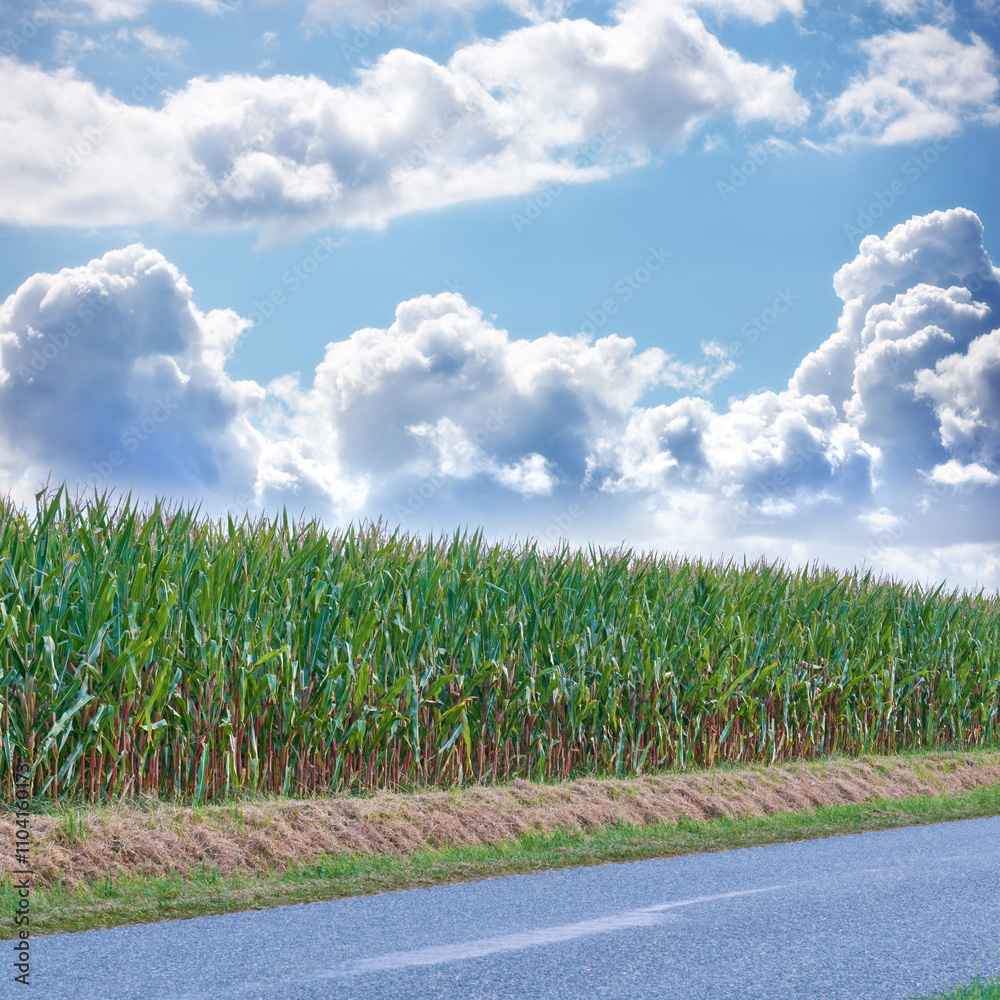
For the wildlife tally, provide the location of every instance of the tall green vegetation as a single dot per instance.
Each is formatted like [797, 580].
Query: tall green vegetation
[151, 650]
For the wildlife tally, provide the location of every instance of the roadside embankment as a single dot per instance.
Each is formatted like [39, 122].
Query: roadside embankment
[151, 839]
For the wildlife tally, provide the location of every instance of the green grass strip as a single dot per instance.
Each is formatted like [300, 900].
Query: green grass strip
[978, 989]
[136, 900]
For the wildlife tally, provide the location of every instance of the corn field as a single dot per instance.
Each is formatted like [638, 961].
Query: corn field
[150, 650]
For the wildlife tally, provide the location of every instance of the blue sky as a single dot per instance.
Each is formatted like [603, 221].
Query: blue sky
[562, 270]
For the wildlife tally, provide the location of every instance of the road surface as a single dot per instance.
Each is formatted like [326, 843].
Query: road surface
[885, 915]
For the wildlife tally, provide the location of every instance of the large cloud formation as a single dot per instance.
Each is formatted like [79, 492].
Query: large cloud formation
[886, 436]
[444, 395]
[885, 443]
[915, 302]
[568, 101]
[561, 100]
[110, 374]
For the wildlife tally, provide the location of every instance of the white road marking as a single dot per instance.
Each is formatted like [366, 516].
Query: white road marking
[441, 954]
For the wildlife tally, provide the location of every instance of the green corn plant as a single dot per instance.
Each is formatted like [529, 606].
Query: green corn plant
[150, 650]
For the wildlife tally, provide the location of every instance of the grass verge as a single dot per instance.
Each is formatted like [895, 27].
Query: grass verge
[135, 899]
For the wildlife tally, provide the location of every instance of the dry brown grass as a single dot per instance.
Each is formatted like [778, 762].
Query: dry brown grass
[158, 838]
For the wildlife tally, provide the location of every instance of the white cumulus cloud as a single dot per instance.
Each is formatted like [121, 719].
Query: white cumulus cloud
[885, 444]
[109, 373]
[444, 393]
[290, 153]
[919, 84]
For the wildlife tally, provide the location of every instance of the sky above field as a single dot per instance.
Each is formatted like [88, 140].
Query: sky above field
[713, 277]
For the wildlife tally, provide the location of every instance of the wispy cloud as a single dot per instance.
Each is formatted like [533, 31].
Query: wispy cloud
[919, 85]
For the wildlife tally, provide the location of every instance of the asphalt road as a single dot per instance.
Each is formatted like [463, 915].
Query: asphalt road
[883, 915]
